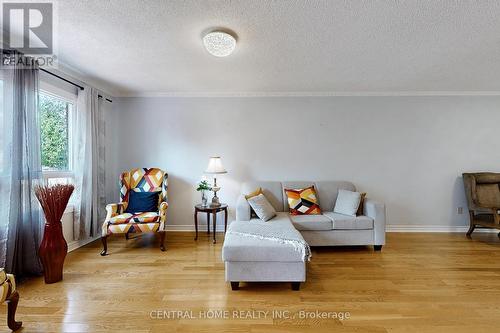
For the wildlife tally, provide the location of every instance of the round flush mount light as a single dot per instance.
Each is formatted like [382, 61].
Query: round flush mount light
[219, 43]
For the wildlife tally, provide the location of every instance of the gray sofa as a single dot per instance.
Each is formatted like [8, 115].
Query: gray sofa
[329, 229]
[248, 259]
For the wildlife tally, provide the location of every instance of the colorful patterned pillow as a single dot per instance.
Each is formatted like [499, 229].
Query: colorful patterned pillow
[303, 201]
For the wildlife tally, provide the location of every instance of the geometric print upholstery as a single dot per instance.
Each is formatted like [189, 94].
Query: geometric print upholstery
[7, 284]
[138, 180]
[143, 180]
[140, 217]
[132, 227]
[303, 201]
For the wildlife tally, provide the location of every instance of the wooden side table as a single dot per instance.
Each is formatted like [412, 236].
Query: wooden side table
[210, 210]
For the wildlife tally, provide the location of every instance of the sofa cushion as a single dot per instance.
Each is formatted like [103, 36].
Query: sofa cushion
[241, 248]
[272, 190]
[327, 191]
[347, 202]
[311, 222]
[346, 222]
[293, 184]
[125, 218]
[139, 202]
[361, 207]
[264, 210]
[254, 193]
[303, 201]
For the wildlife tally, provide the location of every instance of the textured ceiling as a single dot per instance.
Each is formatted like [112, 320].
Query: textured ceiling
[134, 47]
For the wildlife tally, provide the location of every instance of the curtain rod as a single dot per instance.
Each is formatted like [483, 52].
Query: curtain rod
[70, 82]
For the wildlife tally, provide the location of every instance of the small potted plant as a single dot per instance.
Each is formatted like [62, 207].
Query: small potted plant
[203, 187]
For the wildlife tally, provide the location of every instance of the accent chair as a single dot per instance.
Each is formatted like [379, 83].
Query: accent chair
[482, 190]
[119, 221]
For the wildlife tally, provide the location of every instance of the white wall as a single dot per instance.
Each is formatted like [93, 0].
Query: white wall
[408, 152]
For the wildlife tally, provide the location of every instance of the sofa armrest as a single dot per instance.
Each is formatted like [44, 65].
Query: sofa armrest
[242, 209]
[376, 211]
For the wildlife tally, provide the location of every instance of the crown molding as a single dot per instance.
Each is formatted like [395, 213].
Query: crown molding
[77, 75]
[309, 94]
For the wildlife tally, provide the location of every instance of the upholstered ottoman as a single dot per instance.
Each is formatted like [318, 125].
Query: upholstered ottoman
[251, 259]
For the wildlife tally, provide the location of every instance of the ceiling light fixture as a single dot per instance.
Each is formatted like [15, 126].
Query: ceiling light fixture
[219, 43]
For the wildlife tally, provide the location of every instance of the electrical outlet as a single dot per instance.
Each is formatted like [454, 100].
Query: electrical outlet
[460, 210]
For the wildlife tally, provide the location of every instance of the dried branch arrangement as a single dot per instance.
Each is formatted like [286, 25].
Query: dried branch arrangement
[53, 200]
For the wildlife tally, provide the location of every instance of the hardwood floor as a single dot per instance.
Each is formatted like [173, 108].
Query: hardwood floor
[417, 283]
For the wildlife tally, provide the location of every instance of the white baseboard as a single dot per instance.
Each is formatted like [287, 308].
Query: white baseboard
[389, 228]
[189, 227]
[79, 243]
[433, 228]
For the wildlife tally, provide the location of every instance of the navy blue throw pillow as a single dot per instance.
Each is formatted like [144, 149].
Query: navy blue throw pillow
[139, 202]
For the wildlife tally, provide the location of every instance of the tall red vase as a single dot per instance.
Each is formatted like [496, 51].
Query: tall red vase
[52, 252]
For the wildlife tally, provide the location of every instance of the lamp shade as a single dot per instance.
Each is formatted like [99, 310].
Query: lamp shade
[215, 166]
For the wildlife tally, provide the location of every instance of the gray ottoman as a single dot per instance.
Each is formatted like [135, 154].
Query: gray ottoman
[249, 259]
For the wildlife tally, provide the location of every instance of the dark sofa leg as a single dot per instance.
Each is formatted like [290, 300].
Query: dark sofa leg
[377, 247]
[104, 241]
[295, 285]
[235, 285]
[162, 240]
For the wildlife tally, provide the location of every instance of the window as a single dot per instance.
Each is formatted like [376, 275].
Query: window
[55, 132]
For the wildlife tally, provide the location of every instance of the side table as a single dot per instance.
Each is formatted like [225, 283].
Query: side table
[210, 210]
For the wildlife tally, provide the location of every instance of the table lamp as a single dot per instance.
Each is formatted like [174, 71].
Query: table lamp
[215, 168]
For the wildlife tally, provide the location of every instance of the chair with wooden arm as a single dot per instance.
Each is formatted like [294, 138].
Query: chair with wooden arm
[482, 190]
[9, 294]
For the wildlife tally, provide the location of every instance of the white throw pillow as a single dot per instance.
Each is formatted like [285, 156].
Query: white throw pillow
[264, 210]
[347, 202]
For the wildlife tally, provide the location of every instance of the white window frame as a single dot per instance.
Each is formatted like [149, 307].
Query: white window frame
[48, 89]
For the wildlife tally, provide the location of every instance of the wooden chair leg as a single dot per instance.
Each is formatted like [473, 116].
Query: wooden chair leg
[12, 301]
[162, 240]
[472, 225]
[104, 241]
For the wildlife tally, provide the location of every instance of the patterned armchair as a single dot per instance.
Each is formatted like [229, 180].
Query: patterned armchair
[119, 222]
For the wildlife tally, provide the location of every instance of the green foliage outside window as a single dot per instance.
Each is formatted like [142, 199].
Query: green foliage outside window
[54, 132]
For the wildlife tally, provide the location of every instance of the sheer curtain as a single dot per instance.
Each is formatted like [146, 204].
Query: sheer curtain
[89, 168]
[21, 221]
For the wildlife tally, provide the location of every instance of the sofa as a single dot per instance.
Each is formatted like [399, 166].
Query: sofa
[256, 260]
[328, 229]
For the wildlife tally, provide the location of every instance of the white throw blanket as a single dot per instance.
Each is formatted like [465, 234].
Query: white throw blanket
[274, 231]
